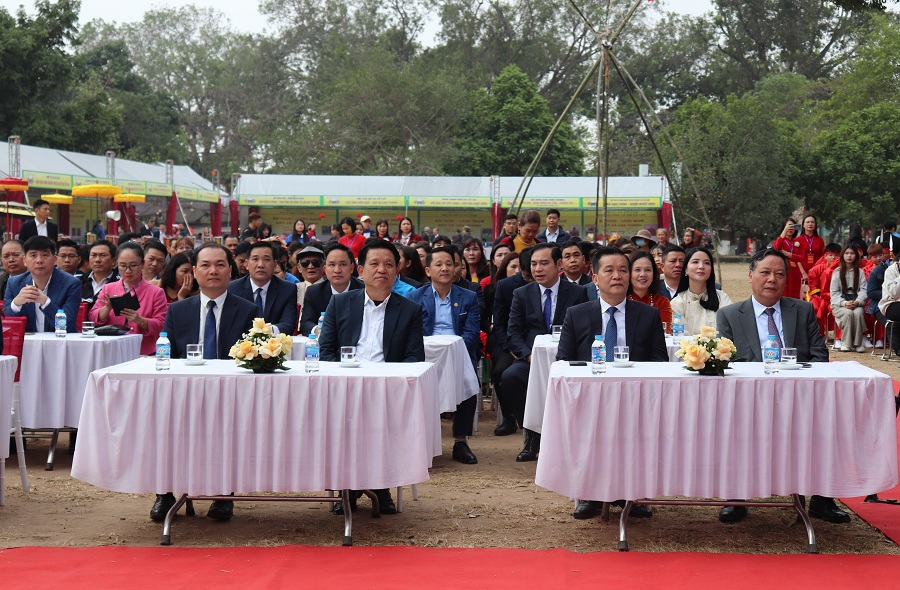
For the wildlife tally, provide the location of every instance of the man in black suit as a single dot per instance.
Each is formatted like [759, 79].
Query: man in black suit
[339, 265]
[383, 327]
[40, 225]
[216, 319]
[749, 323]
[622, 322]
[103, 270]
[275, 299]
[673, 265]
[573, 263]
[501, 358]
[553, 233]
[535, 307]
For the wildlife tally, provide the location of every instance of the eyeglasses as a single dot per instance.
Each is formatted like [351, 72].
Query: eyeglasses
[129, 267]
[315, 262]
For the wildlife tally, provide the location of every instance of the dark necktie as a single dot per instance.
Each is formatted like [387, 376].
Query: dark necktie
[548, 308]
[612, 335]
[259, 302]
[773, 329]
[210, 342]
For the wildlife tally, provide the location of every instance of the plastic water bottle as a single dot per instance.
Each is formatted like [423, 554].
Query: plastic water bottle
[312, 354]
[163, 352]
[771, 356]
[320, 324]
[59, 322]
[598, 355]
[677, 327]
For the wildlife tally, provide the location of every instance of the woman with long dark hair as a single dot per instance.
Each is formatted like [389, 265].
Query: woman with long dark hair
[788, 243]
[177, 278]
[697, 299]
[848, 298]
[811, 245]
[475, 261]
[411, 264]
[298, 233]
[350, 237]
[406, 232]
[644, 286]
[383, 230]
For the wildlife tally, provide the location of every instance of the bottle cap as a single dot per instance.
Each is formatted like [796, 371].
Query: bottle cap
[598, 336]
[163, 335]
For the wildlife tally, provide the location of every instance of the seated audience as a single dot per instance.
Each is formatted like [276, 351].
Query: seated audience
[103, 270]
[644, 287]
[339, 267]
[13, 257]
[848, 298]
[67, 257]
[155, 256]
[275, 299]
[177, 280]
[42, 290]
[698, 300]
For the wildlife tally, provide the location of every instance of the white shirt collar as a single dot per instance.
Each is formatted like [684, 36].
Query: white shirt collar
[265, 287]
[759, 308]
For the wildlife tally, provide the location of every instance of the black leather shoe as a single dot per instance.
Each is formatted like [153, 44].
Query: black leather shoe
[637, 510]
[508, 427]
[386, 502]
[827, 510]
[339, 506]
[733, 513]
[463, 454]
[587, 509]
[532, 447]
[161, 507]
[221, 510]
[526, 455]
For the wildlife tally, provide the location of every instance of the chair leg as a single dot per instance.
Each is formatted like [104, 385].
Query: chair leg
[20, 442]
[480, 399]
[399, 501]
[2, 481]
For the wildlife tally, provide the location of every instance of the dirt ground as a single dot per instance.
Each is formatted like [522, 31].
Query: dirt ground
[492, 504]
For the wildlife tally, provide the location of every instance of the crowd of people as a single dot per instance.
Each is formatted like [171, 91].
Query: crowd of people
[383, 293]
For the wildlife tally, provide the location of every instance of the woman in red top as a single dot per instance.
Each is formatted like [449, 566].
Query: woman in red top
[407, 233]
[812, 247]
[788, 244]
[351, 239]
[644, 287]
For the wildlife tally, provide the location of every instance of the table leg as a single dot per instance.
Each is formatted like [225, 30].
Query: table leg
[54, 438]
[348, 518]
[623, 526]
[810, 534]
[376, 507]
[170, 516]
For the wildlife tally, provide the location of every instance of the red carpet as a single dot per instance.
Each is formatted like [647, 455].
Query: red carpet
[434, 569]
[884, 517]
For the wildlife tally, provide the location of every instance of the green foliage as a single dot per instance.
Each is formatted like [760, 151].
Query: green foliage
[506, 128]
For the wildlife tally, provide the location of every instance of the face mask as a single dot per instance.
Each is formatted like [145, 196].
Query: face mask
[639, 242]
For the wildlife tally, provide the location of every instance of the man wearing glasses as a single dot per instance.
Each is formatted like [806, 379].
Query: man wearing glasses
[310, 266]
[67, 258]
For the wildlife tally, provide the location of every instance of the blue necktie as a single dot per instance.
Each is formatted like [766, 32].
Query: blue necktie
[611, 336]
[548, 308]
[210, 342]
[259, 302]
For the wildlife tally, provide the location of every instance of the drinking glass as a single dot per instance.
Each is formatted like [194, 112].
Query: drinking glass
[555, 331]
[348, 355]
[665, 328]
[621, 354]
[788, 356]
[87, 329]
[195, 352]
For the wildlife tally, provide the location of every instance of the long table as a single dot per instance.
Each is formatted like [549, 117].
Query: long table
[457, 376]
[657, 430]
[543, 354]
[7, 377]
[214, 429]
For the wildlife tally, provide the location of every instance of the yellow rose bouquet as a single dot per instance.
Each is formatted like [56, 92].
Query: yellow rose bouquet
[706, 353]
[261, 349]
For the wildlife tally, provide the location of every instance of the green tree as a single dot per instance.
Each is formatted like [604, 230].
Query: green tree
[506, 128]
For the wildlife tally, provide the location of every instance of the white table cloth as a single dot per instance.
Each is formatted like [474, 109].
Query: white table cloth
[55, 370]
[543, 354]
[658, 430]
[458, 381]
[218, 429]
[7, 378]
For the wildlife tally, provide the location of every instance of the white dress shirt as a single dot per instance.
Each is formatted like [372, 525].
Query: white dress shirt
[620, 320]
[220, 302]
[551, 238]
[41, 228]
[264, 295]
[38, 314]
[762, 322]
[371, 339]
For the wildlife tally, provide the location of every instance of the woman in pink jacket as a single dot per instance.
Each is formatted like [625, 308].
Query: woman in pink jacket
[149, 318]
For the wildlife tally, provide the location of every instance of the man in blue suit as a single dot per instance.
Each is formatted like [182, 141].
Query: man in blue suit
[39, 293]
[450, 309]
[383, 327]
[216, 319]
[275, 299]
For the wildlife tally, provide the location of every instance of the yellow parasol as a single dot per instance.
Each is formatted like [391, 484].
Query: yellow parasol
[129, 198]
[58, 199]
[96, 191]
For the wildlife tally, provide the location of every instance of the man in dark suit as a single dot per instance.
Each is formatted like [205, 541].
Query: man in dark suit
[673, 265]
[103, 270]
[640, 330]
[43, 290]
[449, 309]
[553, 232]
[749, 323]
[382, 327]
[216, 319]
[339, 265]
[40, 225]
[573, 263]
[535, 308]
[501, 358]
[275, 299]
